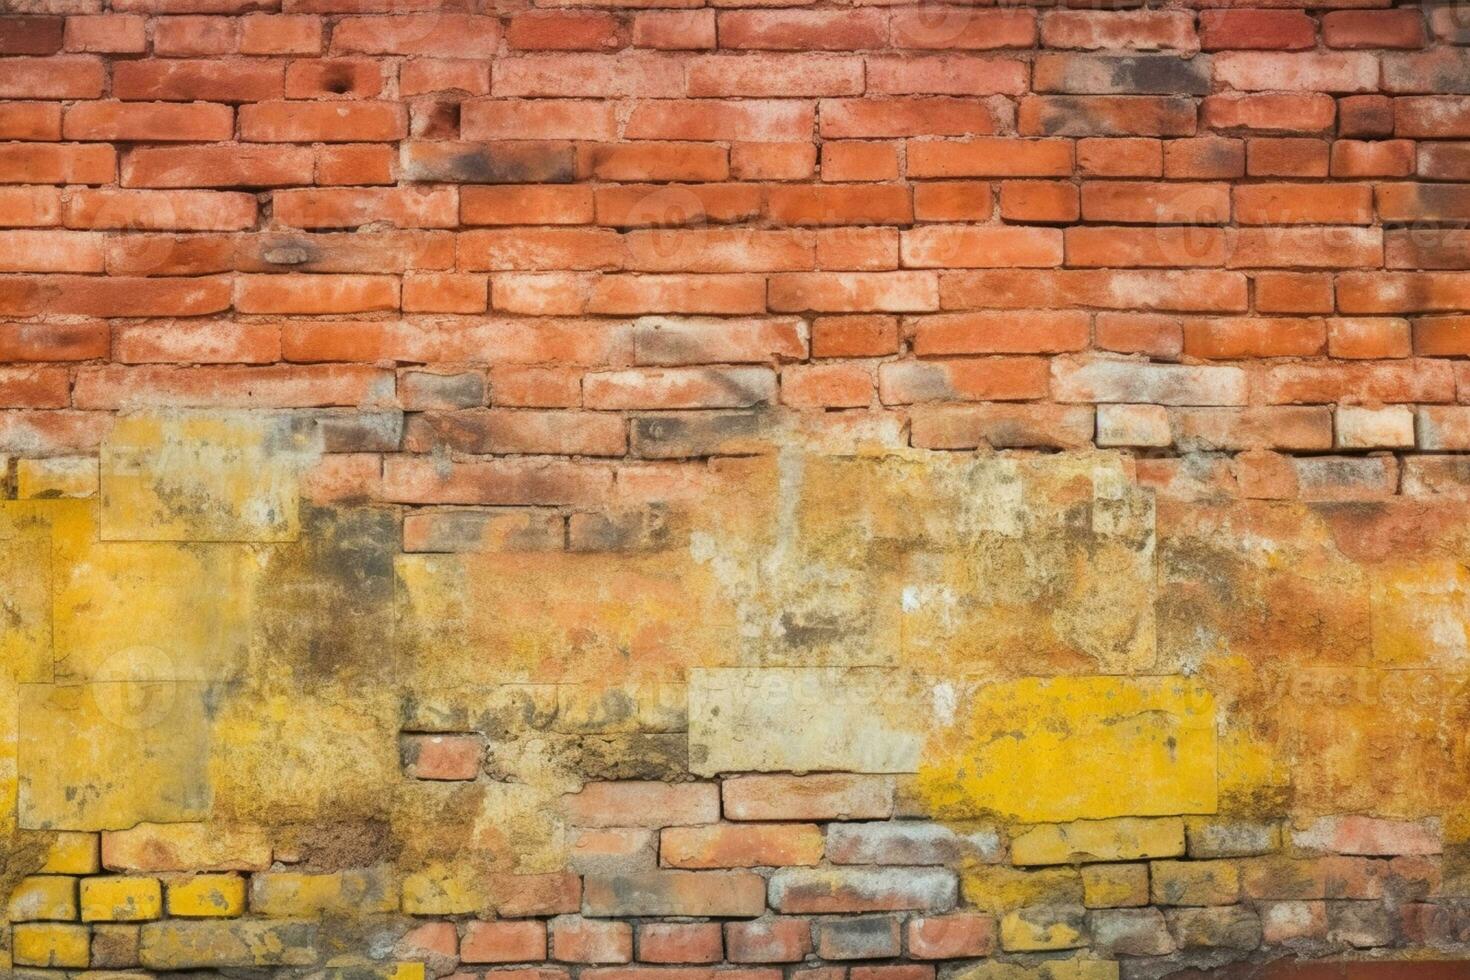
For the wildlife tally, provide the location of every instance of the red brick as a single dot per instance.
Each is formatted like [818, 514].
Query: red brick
[499, 482]
[445, 292]
[1026, 332]
[1308, 248]
[989, 157]
[854, 160]
[60, 77]
[449, 758]
[557, 30]
[1144, 290]
[659, 161]
[981, 379]
[1144, 30]
[334, 78]
[34, 387]
[113, 296]
[1368, 339]
[197, 342]
[1365, 115]
[1306, 71]
[680, 942]
[945, 74]
[293, 293]
[949, 937]
[643, 804]
[496, 431]
[1001, 426]
[667, 208]
[832, 204]
[148, 122]
[1287, 30]
[1241, 337]
[107, 33]
[673, 119]
[1373, 28]
[192, 36]
[160, 210]
[741, 845]
[354, 164]
[1297, 204]
[549, 248]
[503, 942]
[778, 940]
[714, 294]
[1293, 292]
[31, 35]
[854, 292]
[1039, 201]
[1268, 113]
[536, 387]
[228, 165]
[907, 116]
[30, 121]
[954, 200]
[1204, 158]
[1123, 157]
[703, 387]
[1160, 337]
[1100, 246]
[1384, 158]
[827, 386]
[578, 940]
[854, 336]
[265, 34]
[422, 76]
[85, 341]
[674, 30]
[1156, 203]
[1286, 158]
[400, 207]
[969, 246]
[977, 29]
[196, 81]
[274, 386]
[21, 207]
[292, 122]
[801, 30]
[442, 33]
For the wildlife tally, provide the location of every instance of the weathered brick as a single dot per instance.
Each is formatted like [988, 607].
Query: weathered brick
[768, 940]
[741, 845]
[801, 890]
[858, 938]
[733, 894]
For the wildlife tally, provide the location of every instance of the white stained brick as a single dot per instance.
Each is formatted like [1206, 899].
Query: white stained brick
[1374, 428]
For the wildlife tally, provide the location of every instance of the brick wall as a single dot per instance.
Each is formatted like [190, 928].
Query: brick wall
[787, 491]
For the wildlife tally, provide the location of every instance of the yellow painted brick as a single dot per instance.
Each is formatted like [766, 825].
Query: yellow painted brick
[1194, 882]
[441, 890]
[1118, 839]
[996, 888]
[1042, 928]
[1049, 750]
[72, 853]
[290, 894]
[121, 899]
[57, 476]
[207, 896]
[44, 897]
[408, 971]
[50, 944]
[1111, 886]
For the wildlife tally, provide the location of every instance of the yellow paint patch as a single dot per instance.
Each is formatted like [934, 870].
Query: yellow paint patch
[207, 896]
[118, 898]
[108, 755]
[1075, 748]
[204, 476]
[1421, 616]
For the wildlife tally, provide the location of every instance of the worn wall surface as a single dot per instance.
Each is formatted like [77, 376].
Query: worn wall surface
[734, 490]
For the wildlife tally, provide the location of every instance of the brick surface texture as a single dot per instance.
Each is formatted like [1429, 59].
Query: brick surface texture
[734, 490]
